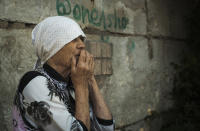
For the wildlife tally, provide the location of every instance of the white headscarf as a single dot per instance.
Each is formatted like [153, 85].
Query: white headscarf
[52, 34]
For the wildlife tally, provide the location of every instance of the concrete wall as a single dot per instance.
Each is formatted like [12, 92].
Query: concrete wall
[139, 37]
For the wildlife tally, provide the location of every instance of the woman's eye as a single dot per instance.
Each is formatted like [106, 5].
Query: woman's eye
[75, 40]
[82, 39]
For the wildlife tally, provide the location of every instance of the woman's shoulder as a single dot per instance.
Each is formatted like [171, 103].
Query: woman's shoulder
[31, 78]
[35, 87]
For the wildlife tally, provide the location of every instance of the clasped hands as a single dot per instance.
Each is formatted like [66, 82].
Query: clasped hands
[82, 71]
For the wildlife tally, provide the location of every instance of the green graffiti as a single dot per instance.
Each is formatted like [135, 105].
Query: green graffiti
[104, 38]
[131, 46]
[124, 22]
[61, 10]
[85, 12]
[102, 20]
[119, 25]
[110, 16]
[77, 12]
[94, 17]
[115, 18]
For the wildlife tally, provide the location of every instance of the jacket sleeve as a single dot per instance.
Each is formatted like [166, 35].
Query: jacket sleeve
[46, 113]
[101, 124]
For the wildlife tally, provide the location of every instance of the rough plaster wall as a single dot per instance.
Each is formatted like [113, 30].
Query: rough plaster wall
[17, 56]
[141, 53]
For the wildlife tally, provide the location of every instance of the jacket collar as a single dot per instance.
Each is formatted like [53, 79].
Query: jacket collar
[53, 73]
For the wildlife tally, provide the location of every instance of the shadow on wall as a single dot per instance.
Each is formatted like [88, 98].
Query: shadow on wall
[184, 115]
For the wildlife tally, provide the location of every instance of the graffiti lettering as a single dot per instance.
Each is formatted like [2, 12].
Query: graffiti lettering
[77, 12]
[131, 46]
[104, 38]
[62, 10]
[94, 17]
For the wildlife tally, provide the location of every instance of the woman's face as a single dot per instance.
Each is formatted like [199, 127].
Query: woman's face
[64, 56]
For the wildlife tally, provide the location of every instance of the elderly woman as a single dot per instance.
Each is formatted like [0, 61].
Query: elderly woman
[61, 93]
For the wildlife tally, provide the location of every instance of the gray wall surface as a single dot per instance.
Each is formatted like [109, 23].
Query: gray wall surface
[143, 37]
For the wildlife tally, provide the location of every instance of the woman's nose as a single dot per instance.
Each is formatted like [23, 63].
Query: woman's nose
[81, 45]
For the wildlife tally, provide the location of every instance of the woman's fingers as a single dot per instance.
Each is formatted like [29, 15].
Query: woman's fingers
[86, 61]
[87, 57]
[91, 62]
[82, 57]
[73, 64]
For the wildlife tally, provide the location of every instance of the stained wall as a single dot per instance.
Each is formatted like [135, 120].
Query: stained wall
[134, 43]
